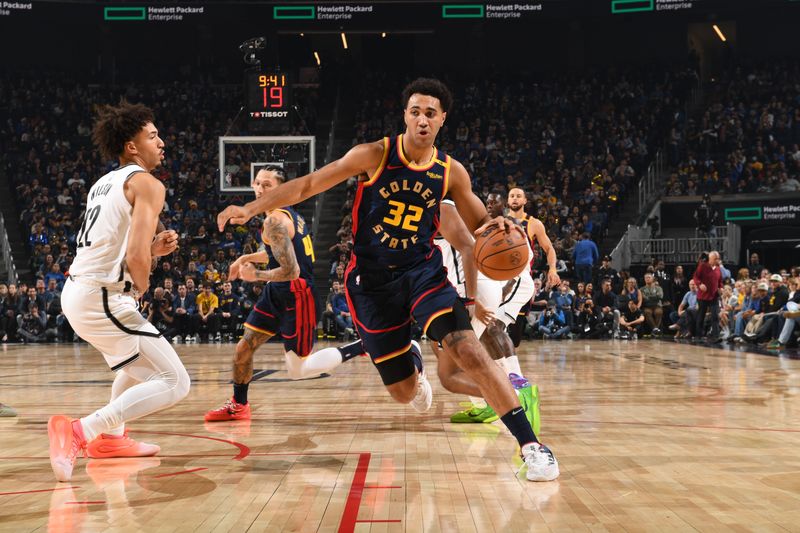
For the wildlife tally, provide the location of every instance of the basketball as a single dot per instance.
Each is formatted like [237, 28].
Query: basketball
[500, 255]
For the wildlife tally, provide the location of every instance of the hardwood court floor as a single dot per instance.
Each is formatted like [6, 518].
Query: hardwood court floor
[651, 436]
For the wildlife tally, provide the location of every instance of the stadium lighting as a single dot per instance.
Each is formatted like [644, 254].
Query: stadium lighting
[383, 34]
[316, 56]
[719, 33]
[344, 40]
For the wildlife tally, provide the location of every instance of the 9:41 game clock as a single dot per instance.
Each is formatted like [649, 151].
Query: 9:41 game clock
[269, 96]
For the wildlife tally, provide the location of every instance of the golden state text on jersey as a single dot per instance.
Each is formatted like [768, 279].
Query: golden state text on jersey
[396, 211]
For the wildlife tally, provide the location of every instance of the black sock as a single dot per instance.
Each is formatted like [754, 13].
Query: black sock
[240, 392]
[417, 358]
[348, 351]
[517, 423]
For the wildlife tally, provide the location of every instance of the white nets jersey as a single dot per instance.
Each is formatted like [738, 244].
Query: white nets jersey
[103, 235]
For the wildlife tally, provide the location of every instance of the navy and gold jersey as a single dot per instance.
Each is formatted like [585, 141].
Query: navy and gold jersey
[303, 249]
[524, 222]
[396, 211]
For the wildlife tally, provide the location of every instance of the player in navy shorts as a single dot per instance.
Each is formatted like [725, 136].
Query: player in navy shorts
[286, 305]
[396, 273]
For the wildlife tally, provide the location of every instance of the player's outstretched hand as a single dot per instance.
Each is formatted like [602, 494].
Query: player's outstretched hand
[499, 222]
[233, 270]
[553, 279]
[164, 243]
[236, 214]
[248, 272]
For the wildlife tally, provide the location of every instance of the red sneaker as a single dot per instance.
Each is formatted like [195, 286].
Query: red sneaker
[108, 446]
[66, 442]
[230, 411]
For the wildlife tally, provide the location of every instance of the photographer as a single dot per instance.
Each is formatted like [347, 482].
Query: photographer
[160, 313]
[552, 324]
[706, 217]
[32, 324]
[588, 321]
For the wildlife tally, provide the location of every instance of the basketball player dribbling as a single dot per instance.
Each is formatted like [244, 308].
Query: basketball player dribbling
[116, 244]
[396, 274]
[501, 300]
[286, 304]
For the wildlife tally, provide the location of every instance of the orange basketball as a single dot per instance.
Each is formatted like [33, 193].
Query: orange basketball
[500, 255]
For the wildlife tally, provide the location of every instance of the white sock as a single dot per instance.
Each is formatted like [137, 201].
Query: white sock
[477, 402]
[512, 365]
[315, 364]
[161, 382]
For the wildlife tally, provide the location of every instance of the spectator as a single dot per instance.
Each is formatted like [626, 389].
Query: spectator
[752, 308]
[631, 292]
[606, 271]
[341, 311]
[206, 320]
[585, 256]
[607, 305]
[184, 308]
[230, 311]
[791, 316]
[56, 275]
[652, 296]
[631, 321]
[777, 299]
[755, 266]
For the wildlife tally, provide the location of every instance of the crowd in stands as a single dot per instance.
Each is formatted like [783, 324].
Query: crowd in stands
[574, 145]
[746, 305]
[48, 156]
[746, 139]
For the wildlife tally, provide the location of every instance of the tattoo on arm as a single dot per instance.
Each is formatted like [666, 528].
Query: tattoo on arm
[282, 249]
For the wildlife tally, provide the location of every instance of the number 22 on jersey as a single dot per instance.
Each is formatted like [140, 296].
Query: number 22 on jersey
[87, 225]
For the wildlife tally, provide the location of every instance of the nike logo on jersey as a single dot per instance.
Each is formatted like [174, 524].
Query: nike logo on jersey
[394, 167]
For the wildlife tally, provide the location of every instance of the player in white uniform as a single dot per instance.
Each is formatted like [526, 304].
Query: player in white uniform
[116, 244]
[495, 302]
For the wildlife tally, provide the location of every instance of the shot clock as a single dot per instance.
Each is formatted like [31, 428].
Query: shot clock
[269, 96]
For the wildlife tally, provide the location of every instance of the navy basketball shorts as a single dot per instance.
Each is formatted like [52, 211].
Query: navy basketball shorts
[289, 311]
[384, 302]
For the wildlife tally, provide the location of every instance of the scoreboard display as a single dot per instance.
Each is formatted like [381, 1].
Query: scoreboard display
[268, 96]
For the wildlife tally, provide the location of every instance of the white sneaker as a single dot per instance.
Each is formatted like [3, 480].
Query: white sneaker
[424, 398]
[542, 464]
[177, 339]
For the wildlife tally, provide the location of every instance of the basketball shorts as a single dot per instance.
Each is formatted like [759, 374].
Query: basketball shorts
[517, 301]
[384, 302]
[289, 311]
[106, 318]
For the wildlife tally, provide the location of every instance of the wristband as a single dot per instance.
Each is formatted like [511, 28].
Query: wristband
[467, 301]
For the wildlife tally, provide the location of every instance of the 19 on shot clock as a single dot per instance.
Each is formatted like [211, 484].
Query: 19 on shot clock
[269, 96]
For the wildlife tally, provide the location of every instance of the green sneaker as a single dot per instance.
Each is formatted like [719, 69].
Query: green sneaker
[774, 345]
[7, 410]
[487, 415]
[467, 416]
[529, 399]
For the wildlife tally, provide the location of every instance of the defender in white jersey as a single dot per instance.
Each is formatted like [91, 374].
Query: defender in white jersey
[116, 243]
